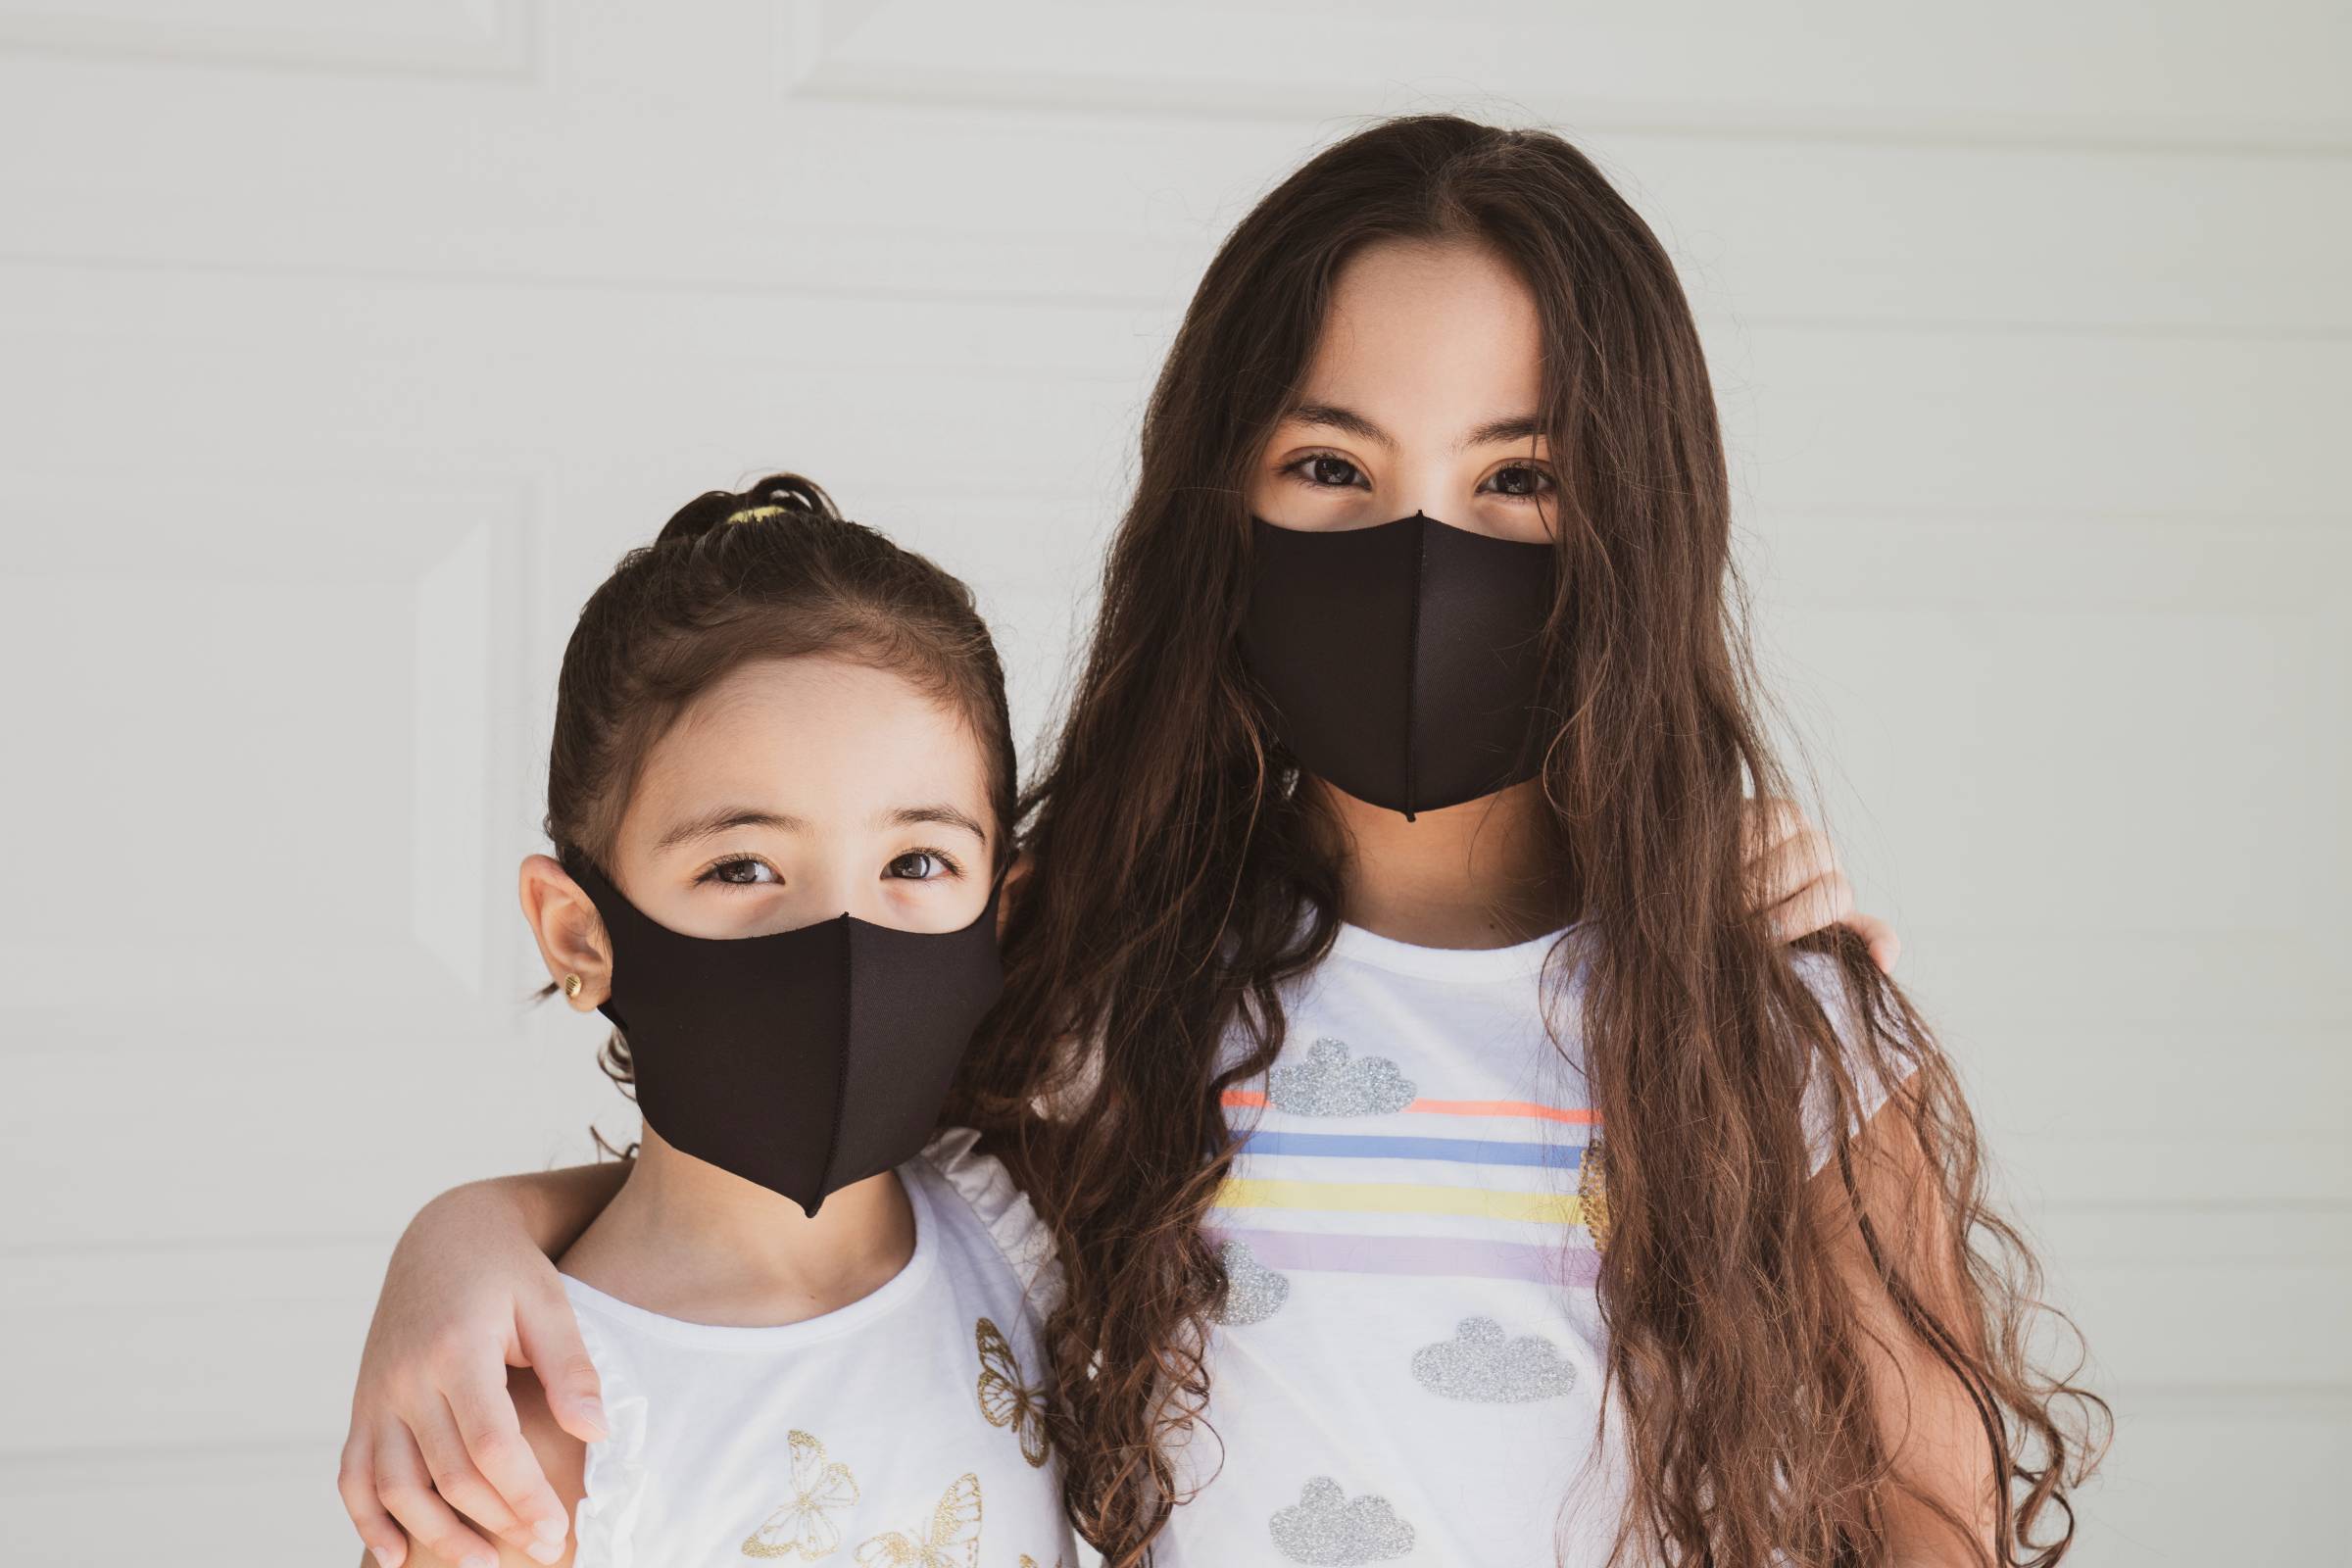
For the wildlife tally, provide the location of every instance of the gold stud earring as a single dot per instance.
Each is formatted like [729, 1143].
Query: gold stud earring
[573, 984]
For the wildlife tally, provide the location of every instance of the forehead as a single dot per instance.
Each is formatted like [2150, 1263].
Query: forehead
[1428, 336]
[817, 737]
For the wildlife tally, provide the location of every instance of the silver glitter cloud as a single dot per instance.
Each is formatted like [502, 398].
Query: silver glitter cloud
[1330, 1083]
[1253, 1292]
[1324, 1527]
[1483, 1365]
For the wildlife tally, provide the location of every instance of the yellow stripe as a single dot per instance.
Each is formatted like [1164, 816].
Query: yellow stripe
[1397, 1197]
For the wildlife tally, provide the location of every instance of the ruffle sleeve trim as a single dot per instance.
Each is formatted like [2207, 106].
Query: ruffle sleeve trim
[1012, 1222]
[612, 1477]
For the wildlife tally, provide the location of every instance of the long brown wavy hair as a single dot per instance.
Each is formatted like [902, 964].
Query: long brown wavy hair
[1181, 874]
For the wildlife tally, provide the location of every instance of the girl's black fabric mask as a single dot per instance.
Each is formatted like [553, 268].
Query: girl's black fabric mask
[804, 1059]
[1405, 661]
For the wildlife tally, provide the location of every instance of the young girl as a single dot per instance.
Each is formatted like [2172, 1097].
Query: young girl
[1446, 1156]
[779, 795]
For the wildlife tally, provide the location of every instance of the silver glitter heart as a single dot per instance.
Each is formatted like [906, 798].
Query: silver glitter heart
[1324, 1527]
[1252, 1291]
[1330, 1083]
[1483, 1363]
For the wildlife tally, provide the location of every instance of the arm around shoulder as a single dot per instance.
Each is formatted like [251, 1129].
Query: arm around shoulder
[564, 1458]
[469, 1292]
[551, 1206]
[1942, 1512]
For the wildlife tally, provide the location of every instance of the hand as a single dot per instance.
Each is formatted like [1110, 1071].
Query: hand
[1804, 886]
[433, 1430]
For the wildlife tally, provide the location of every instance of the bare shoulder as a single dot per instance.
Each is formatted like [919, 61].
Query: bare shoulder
[561, 1455]
[1898, 1188]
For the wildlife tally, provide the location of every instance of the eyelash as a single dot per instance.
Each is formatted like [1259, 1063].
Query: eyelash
[1299, 467]
[1298, 471]
[951, 866]
[710, 872]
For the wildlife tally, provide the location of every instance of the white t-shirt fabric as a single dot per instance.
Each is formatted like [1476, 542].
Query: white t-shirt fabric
[1408, 1364]
[904, 1429]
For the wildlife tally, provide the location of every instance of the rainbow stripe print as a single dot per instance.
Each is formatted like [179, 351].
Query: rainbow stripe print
[1480, 1188]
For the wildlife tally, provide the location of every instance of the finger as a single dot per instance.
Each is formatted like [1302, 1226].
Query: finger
[1769, 821]
[1792, 866]
[1886, 948]
[1821, 903]
[550, 1336]
[407, 1490]
[378, 1531]
[486, 1421]
[454, 1475]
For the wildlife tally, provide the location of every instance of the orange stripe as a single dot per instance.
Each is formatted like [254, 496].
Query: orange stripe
[1505, 1108]
[1456, 1107]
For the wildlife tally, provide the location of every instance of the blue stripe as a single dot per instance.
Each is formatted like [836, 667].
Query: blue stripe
[1462, 1150]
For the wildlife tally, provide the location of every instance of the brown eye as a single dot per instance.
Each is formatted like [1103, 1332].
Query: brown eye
[919, 865]
[743, 873]
[1335, 473]
[1520, 479]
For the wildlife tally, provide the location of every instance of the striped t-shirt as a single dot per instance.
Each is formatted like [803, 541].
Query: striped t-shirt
[1408, 1362]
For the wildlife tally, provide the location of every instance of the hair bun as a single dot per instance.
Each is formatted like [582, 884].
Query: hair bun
[790, 492]
[778, 495]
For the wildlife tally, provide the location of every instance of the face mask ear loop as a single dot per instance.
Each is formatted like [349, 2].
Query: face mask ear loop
[1412, 664]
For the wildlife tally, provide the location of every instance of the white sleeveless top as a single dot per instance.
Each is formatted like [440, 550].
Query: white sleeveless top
[1408, 1366]
[902, 1431]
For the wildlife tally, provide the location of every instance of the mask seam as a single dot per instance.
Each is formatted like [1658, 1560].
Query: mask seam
[840, 1060]
[1412, 667]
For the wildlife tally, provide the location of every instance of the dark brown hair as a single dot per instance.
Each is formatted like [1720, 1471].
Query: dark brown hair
[1183, 875]
[773, 571]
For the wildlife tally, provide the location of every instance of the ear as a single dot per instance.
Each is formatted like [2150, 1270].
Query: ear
[1014, 875]
[572, 935]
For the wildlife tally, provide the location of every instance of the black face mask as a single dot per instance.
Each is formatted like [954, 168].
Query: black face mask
[804, 1059]
[1403, 662]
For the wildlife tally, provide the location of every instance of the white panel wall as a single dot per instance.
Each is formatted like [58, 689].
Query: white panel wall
[342, 348]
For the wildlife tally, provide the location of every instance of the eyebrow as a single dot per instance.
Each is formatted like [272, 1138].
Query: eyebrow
[1332, 417]
[1514, 427]
[727, 819]
[916, 815]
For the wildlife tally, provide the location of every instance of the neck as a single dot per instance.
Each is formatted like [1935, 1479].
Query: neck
[690, 1241]
[1474, 875]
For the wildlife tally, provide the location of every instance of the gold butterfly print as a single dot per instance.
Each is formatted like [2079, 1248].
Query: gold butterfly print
[804, 1526]
[1593, 1189]
[952, 1542]
[1004, 1399]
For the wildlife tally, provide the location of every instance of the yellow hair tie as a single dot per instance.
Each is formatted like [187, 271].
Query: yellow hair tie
[754, 513]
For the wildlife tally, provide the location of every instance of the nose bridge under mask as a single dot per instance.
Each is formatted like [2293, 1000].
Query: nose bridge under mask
[1405, 661]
